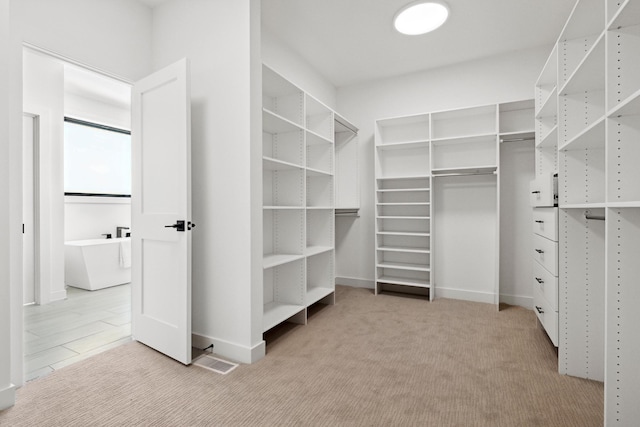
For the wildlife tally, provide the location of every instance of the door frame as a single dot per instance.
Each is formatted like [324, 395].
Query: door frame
[43, 224]
[37, 116]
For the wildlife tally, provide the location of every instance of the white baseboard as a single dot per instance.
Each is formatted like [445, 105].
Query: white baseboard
[526, 302]
[465, 295]
[355, 283]
[7, 397]
[232, 351]
[58, 295]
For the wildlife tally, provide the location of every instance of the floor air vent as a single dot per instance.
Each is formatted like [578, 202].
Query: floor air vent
[215, 365]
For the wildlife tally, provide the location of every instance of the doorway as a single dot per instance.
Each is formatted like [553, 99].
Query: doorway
[65, 324]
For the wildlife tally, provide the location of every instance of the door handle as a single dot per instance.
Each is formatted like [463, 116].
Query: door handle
[539, 280]
[539, 221]
[179, 225]
[535, 192]
[540, 251]
[540, 310]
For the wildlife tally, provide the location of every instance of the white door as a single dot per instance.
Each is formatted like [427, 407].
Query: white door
[28, 217]
[160, 202]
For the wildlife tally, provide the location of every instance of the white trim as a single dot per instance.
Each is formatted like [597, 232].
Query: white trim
[58, 295]
[354, 282]
[465, 295]
[519, 300]
[98, 199]
[7, 397]
[229, 350]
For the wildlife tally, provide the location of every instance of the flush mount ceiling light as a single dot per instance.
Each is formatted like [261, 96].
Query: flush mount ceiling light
[421, 17]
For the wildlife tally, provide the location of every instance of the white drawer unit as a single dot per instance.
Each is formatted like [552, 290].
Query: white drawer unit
[547, 316]
[545, 269]
[547, 284]
[543, 190]
[545, 223]
[545, 251]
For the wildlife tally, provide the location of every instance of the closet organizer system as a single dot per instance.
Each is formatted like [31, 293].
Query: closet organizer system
[588, 131]
[437, 198]
[302, 141]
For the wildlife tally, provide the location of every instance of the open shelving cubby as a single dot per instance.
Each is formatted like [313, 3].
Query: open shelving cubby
[298, 200]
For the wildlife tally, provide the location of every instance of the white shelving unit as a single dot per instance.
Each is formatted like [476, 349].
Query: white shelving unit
[420, 155]
[598, 96]
[298, 201]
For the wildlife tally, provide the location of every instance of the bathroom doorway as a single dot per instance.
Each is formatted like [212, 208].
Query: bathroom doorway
[64, 324]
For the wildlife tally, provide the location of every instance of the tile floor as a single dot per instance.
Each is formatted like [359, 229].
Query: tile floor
[65, 332]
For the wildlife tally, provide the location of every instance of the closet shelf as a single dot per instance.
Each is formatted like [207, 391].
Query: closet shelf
[469, 170]
[404, 204]
[550, 139]
[549, 106]
[317, 138]
[316, 293]
[627, 15]
[403, 281]
[628, 107]
[275, 123]
[395, 178]
[269, 163]
[464, 139]
[403, 233]
[274, 260]
[634, 204]
[406, 249]
[402, 217]
[407, 145]
[268, 208]
[591, 137]
[403, 266]
[317, 172]
[402, 190]
[276, 312]
[589, 74]
[582, 205]
[315, 250]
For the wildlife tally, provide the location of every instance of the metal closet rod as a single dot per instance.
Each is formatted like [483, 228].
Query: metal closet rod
[517, 139]
[587, 215]
[464, 174]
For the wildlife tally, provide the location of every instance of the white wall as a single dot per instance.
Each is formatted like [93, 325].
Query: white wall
[90, 217]
[503, 78]
[7, 394]
[43, 96]
[113, 35]
[222, 39]
[295, 69]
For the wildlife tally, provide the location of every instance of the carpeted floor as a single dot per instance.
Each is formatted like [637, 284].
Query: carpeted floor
[369, 360]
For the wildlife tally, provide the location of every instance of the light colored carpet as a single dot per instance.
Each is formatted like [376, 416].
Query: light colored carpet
[369, 360]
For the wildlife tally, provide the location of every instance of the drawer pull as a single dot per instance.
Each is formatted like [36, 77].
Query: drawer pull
[539, 280]
[535, 192]
[540, 251]
[539, 221]
[540, 310]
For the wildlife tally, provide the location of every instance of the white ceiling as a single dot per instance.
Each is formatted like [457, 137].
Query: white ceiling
[351, 41]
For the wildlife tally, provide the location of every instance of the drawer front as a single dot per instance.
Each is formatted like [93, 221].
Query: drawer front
[547, 317]
[541, 191]
[545, 222]
[545, 251]
[547, 284]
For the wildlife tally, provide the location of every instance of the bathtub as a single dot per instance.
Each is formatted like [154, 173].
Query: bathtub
[97, 263]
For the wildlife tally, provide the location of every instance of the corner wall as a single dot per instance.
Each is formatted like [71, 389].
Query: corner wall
[497, 79]
[222, 41]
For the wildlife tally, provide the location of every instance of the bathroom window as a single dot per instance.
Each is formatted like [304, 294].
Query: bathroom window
[97, 160]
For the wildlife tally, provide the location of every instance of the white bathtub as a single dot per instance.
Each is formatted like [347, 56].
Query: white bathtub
[97, 263]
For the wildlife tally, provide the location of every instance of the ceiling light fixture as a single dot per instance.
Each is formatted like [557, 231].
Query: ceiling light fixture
[421, 17]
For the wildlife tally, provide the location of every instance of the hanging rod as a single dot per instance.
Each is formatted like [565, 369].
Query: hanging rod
[347, 212]
[587, 215]
[346, 124]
